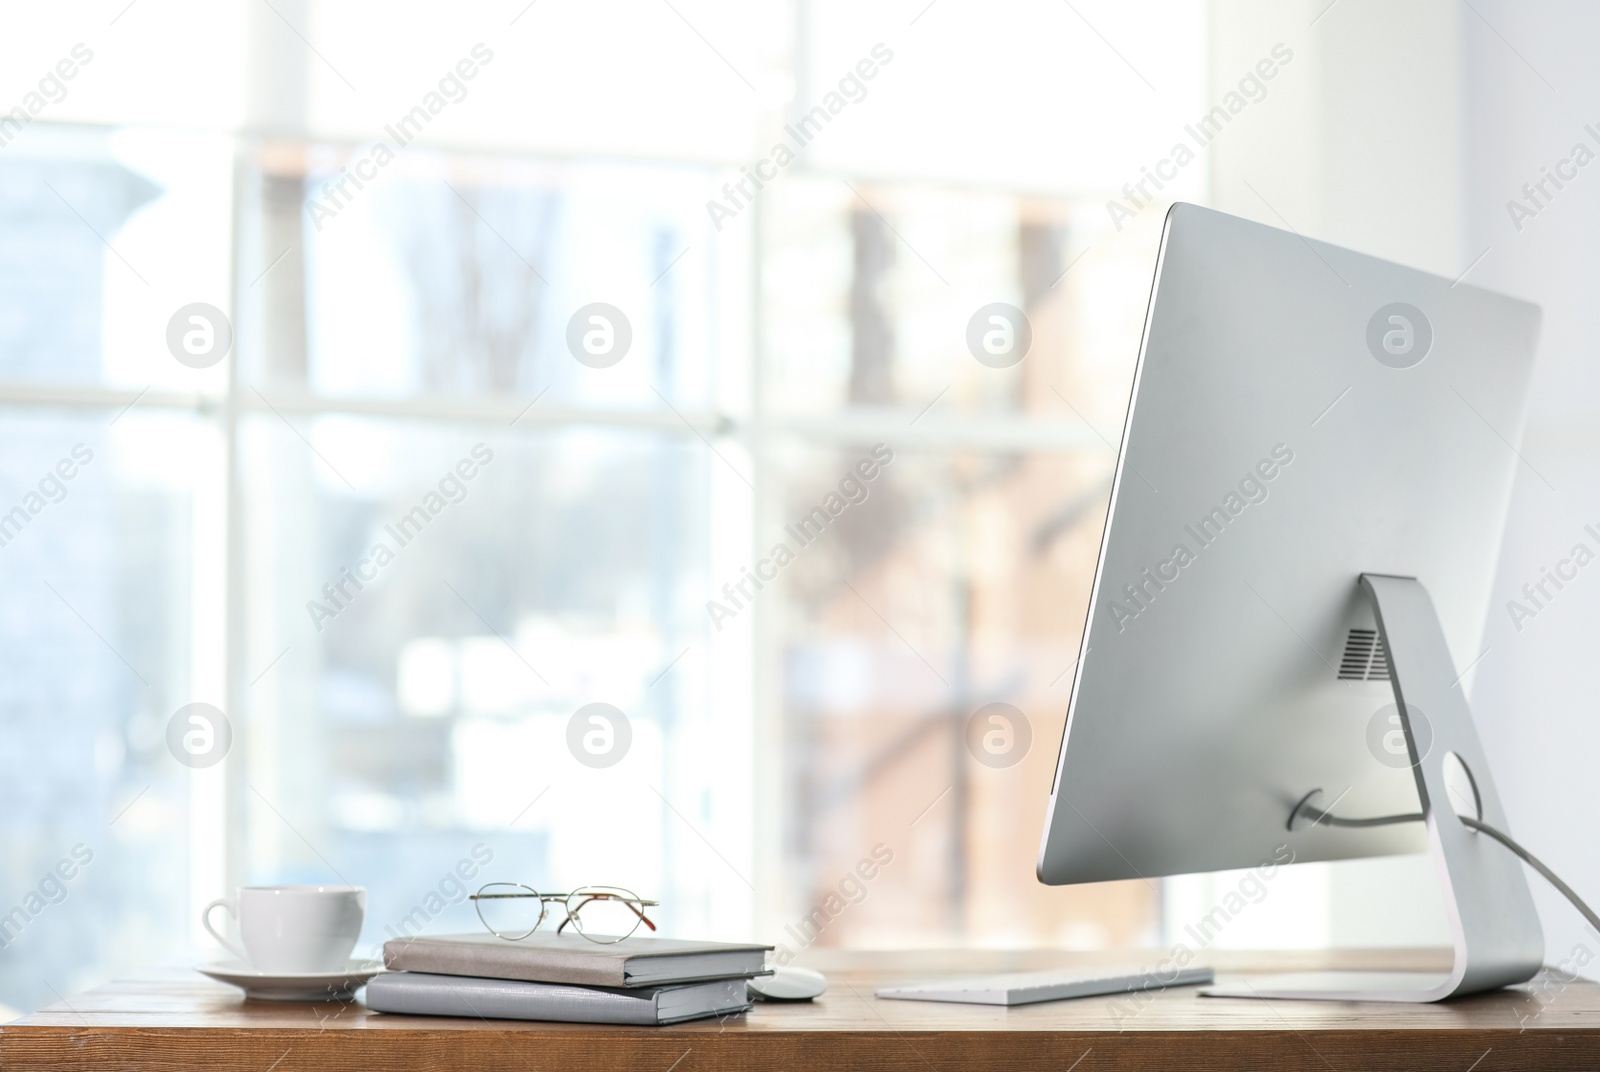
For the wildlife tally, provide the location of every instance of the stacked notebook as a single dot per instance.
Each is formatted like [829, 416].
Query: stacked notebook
[565, 977]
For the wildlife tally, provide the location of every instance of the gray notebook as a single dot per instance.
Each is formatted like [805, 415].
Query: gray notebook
[421, 994]
[570, 958]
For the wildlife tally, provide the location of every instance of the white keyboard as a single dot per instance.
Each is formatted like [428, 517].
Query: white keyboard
[1025, 988]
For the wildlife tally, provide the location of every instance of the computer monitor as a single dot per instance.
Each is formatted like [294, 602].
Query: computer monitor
[1293, 583]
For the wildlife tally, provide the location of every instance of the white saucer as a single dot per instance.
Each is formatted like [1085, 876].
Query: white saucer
[293, 986]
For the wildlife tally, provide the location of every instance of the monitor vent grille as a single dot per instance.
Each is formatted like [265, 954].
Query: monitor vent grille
[1365, 658]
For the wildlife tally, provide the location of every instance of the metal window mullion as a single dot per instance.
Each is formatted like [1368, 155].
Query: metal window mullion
[233, 848]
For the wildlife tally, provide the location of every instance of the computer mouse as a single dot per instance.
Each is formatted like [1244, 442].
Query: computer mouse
[789, 984]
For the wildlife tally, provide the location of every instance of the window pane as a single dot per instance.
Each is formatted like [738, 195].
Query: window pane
[98, 567]
[109, 233]
[883, 296]
[443, 602]
[449, 275]
[943, 585]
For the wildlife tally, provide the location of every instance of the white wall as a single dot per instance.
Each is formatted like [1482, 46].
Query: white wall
[1536, 691]
[1359, 142]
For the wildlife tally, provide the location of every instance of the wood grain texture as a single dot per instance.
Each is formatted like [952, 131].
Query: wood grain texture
[176, 1019]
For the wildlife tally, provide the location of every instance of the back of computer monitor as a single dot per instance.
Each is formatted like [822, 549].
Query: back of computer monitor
[1301, 415]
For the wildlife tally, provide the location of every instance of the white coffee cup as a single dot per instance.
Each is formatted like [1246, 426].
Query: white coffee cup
[293, 928]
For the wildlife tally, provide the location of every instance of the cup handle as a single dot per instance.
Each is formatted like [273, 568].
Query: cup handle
[233, 910]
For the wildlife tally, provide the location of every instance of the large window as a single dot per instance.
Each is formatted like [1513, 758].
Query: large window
[802, 485]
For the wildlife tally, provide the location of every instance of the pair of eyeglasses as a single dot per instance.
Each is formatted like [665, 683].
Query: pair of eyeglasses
[603, 914]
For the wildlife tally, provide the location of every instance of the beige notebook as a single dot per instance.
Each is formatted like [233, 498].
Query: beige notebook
[550, 958]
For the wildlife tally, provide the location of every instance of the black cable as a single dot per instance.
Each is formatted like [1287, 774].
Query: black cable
[1319, 816]
[1533, 861]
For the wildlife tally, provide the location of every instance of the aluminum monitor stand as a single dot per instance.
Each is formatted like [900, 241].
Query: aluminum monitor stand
[1498, 941]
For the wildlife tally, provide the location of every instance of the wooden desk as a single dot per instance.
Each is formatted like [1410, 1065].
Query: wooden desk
[176, 1019]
